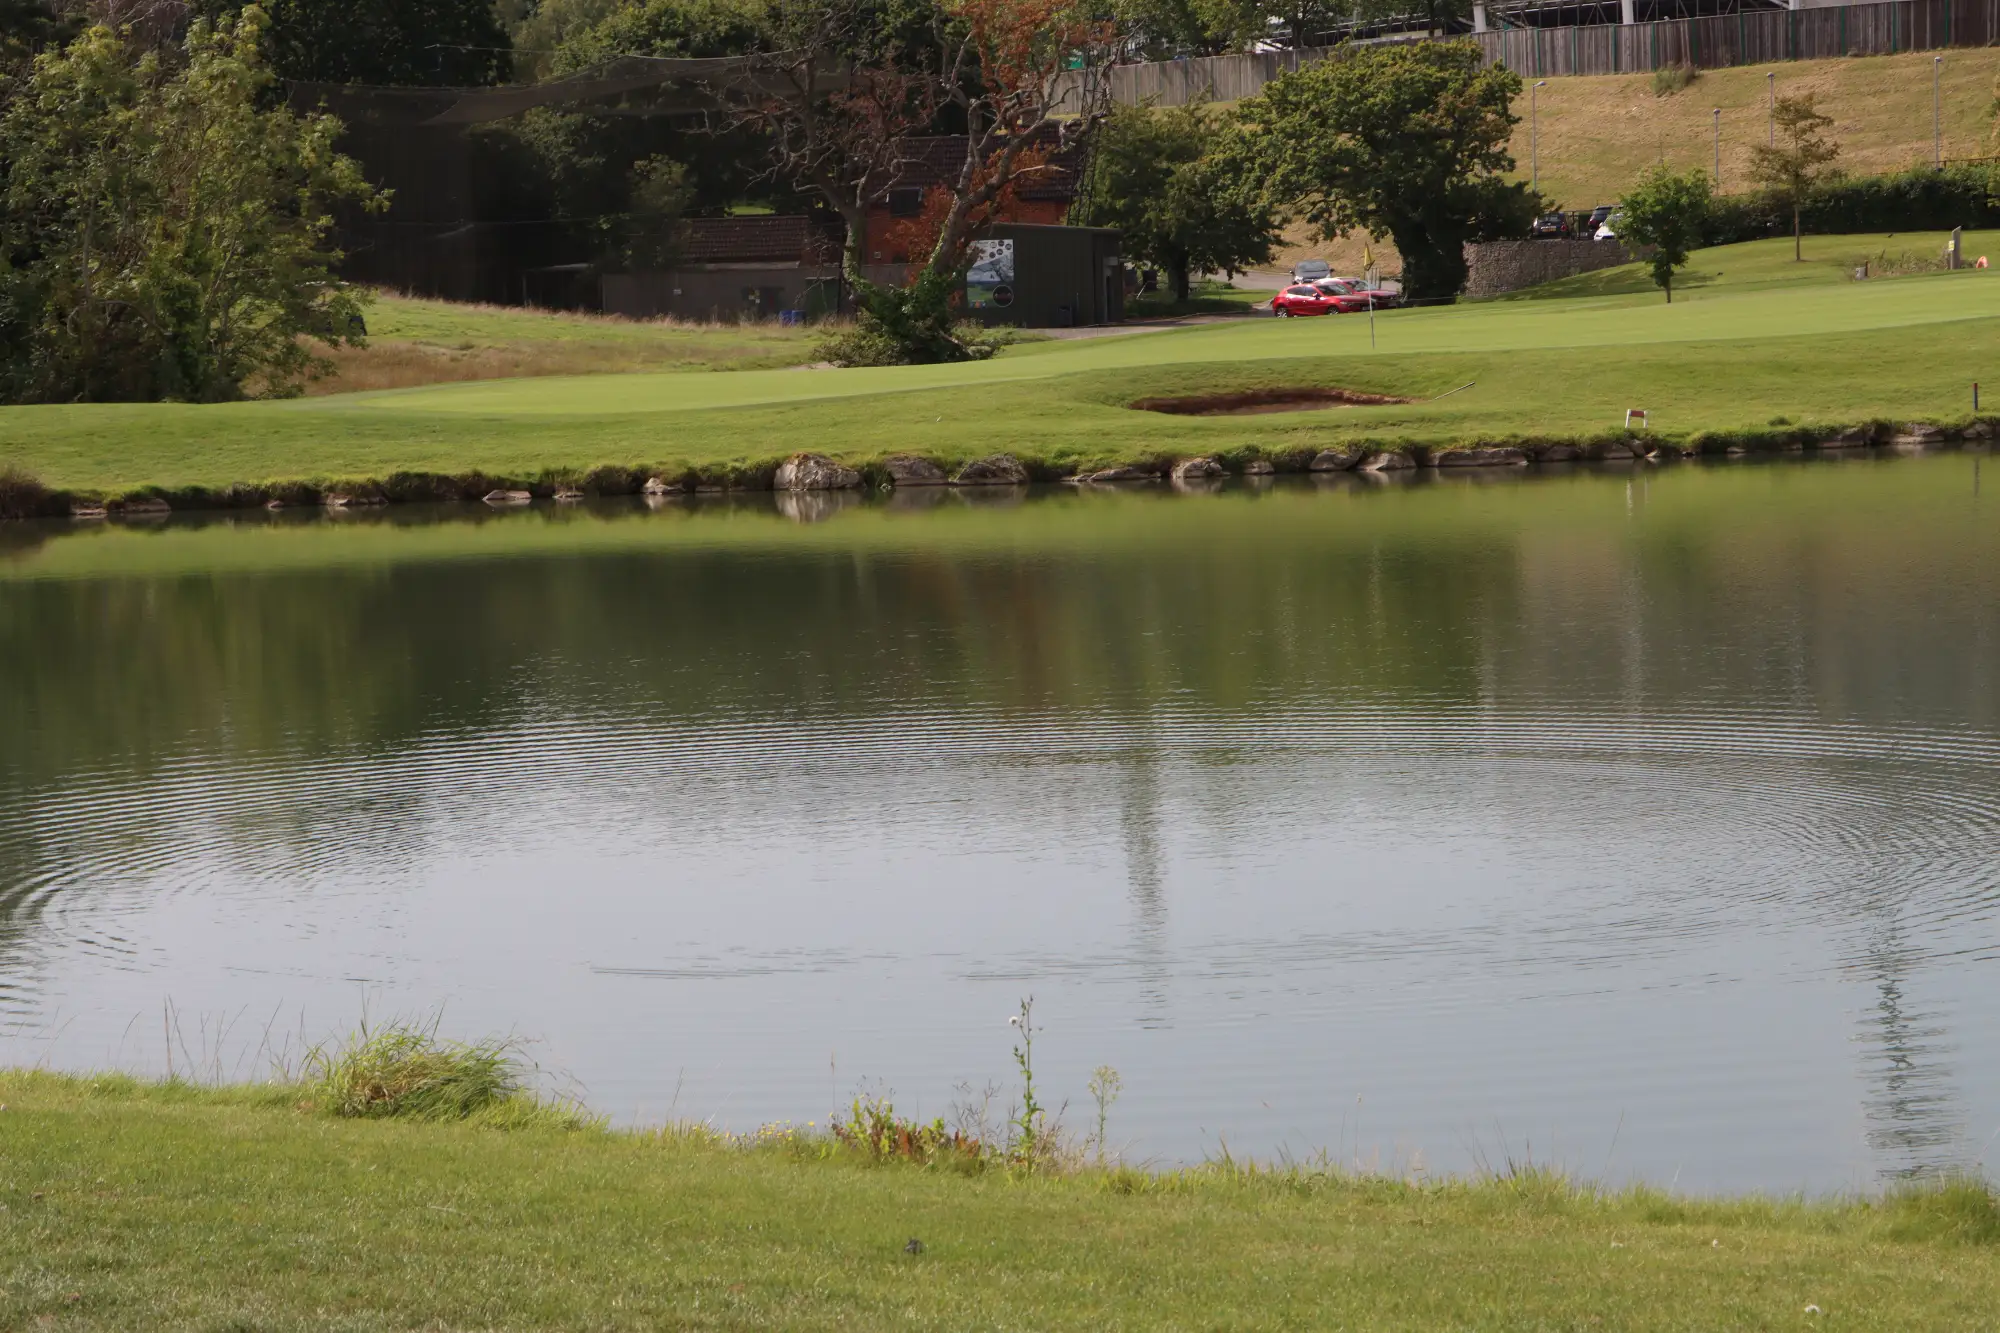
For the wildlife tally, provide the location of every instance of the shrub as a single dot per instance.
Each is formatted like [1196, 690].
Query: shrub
[21, 495]
[165, 223]
[873, 1129]
[1670, 79]
[1965, 194]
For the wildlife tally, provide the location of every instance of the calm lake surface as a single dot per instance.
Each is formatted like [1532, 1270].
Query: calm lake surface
[1646, 823]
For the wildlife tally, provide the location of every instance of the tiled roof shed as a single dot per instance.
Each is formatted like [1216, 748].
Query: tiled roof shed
[788, 239]
[936, 160]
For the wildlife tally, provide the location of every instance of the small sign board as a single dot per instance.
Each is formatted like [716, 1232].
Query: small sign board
[1635, 415]
[990, 278]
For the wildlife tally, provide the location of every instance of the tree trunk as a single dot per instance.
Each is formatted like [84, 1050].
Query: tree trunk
[1796, 256]
[1183, 285]
[1669, 285]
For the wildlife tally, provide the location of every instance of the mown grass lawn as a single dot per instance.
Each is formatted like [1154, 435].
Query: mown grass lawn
[127, 1206]
[1749, 346]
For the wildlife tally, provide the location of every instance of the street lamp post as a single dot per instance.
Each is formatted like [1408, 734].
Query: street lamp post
[1718, 149]
[1535, 134]
[1771, 108]
[1937, 112]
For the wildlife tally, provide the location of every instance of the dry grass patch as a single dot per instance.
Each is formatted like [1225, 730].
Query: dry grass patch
[414, 342]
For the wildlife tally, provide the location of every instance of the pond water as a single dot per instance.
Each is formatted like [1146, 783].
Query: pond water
[1645, 823]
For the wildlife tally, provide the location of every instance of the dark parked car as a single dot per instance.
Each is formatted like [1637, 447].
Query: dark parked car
[1551, 227]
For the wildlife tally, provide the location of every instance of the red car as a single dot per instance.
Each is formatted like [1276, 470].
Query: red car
[1306, 299]
[1361, 293]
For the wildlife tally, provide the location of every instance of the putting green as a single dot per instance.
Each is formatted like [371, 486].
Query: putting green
[1500, 326]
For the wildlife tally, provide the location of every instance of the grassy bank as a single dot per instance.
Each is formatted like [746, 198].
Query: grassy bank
[414, 342]
[130, 1205]
[1762, 352]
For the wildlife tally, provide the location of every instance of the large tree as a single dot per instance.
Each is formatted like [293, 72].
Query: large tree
[611, 183]
[450, 43]
[1165, 179]
[1667, 210]
[1401, 141]
[1802, 158]
[854, 89]
[163, 224]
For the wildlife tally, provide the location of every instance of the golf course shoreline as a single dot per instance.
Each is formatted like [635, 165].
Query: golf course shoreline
[127, 1203]
[23, 497]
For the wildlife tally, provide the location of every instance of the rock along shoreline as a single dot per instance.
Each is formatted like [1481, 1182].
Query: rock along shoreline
[21, 497]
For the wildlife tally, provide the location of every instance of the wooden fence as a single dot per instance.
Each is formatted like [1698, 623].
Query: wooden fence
[1754, 38]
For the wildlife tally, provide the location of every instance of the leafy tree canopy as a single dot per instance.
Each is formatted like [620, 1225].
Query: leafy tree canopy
[1170, 182]
[1403, 141]
[163, 224]
[446, 43]
[27, 26]
[1667, 210]
[1801, 160]
[683, 28]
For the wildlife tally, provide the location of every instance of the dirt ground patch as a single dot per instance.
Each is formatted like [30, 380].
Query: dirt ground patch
[1250, 402]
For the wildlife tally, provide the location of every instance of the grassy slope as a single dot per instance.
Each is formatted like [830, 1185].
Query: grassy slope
[430, 342]
[129, 1206]
[1598, 133]
[1746, 349]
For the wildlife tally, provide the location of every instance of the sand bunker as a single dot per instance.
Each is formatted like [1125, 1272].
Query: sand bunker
[1251, 401]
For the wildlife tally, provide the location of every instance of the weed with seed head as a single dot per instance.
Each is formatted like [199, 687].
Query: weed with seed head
[1105, 1085]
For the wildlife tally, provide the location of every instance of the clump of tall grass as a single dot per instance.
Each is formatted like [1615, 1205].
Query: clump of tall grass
[405, 1070]
[1961, 1208]
[21, 494]
[1670, 79]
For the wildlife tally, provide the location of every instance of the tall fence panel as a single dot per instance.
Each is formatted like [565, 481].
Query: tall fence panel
[1756, 38]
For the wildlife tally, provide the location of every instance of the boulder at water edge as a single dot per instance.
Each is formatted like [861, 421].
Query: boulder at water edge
[1335, 460]
[1123, 472]
[1494, 456]
[1854, 437]
[1387, 460]
[814, 472]
[1197, 469]
[999, 470]
[909, 470]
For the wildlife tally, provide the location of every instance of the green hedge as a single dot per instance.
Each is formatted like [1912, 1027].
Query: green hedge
[1919, 199]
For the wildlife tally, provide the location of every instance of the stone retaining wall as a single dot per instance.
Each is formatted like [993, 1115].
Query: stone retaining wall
[1508, 266]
